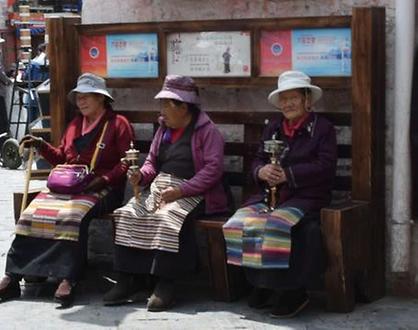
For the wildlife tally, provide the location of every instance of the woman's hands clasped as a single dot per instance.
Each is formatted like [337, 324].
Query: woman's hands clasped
[171, 194]
[273, 174]
[168, 195]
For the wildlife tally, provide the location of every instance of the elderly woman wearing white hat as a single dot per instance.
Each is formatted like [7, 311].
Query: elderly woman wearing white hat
[281, 249]
[51, 234]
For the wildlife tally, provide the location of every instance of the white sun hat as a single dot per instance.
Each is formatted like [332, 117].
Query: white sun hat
[294, 80]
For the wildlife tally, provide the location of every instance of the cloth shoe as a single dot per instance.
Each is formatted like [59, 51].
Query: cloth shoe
[163, 296]
[125, 290]
[260, 298]
[10, 291]
[290, 303]
[65, 293]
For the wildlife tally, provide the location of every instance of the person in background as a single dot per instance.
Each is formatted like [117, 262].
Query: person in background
[182, 175]
[51, 234]
[281, 249]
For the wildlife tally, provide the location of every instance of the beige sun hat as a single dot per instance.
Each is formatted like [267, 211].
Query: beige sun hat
[294, 80]
[89, 83]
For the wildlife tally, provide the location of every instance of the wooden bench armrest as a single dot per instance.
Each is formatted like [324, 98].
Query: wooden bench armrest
[18, 199]
[345, 229]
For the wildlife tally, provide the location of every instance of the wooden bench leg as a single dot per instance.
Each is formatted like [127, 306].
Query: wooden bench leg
[228, 282]
[218, 268]
[339, 285]
[345, 231]
[338, 281]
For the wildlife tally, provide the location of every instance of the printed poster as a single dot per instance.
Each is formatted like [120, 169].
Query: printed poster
[120, 55]
[93, 55]
[317, 52]
[132, 55]
[275, 52]
[322, 52]
[209, 54]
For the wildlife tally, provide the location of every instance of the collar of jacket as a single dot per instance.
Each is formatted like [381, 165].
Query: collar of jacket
[309, 125]
[108, 116]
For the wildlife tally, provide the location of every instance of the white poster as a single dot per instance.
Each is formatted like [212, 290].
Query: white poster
[209, 54]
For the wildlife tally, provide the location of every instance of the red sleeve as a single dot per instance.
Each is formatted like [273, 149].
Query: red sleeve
[56, 155]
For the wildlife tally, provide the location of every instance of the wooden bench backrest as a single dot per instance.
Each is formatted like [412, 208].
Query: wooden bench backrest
[241, 147]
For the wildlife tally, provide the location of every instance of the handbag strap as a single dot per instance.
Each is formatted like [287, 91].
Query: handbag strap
[99, 146]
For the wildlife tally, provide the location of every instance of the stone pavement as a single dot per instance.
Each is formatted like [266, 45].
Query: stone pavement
[195, 309]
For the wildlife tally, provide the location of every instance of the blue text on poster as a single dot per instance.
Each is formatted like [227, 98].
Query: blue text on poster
[132, 55]
[322, 52]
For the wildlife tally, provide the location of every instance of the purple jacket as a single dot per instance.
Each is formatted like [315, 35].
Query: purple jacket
[208, 158]
[309, 164]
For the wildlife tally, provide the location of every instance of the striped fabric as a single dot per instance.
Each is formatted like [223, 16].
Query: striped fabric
[56, 216]
[149, 225]
[260, 240]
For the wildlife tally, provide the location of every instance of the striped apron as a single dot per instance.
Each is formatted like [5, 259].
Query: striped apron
[56, 216]
[260, 240]
[149, 224]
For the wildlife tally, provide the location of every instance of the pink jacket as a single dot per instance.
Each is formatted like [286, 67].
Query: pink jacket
[208, 158]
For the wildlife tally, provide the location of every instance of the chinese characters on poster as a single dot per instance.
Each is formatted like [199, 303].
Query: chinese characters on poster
[209, 54]
[317, 52]
[120, 55]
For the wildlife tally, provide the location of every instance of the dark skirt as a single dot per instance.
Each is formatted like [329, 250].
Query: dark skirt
[161, 263]
[307, 261]
[30, 256]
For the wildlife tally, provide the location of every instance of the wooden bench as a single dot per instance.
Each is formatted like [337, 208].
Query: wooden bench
[345, 224]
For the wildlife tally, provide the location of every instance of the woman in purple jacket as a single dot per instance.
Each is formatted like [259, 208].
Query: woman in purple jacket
[280, 245]
[183, 171]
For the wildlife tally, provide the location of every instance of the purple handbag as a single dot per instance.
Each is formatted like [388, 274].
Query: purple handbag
[74, 178]
[69, 178]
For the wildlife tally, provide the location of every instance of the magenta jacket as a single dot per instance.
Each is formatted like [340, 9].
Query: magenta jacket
[208, 158]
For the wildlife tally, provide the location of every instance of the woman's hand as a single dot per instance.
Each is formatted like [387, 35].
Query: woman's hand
[273, 174]
[31, 141]
[96, 184]
[134, 176]
[171, 194]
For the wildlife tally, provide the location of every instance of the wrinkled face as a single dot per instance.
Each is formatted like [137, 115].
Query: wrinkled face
[90, 104]
[174, 116]
[293, 104]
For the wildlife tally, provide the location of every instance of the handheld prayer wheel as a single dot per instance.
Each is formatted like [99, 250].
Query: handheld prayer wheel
[275, 148]
[132, 158]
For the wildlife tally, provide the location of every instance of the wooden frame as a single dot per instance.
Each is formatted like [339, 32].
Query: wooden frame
[252, 25]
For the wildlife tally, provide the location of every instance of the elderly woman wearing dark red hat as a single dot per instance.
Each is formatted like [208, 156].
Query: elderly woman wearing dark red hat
[183, 175]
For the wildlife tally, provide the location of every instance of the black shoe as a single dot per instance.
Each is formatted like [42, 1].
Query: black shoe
[260, 298]
[65, 300]
[162, 298]
[125, 291]
[10, 292]
[290, 303]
